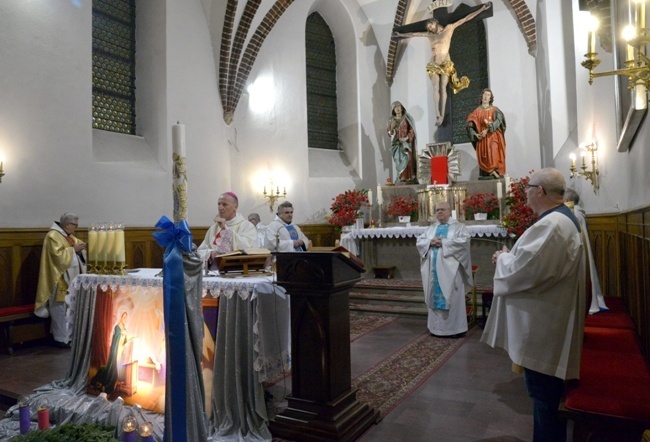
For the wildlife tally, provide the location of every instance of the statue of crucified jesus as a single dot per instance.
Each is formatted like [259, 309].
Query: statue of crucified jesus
[441, 69]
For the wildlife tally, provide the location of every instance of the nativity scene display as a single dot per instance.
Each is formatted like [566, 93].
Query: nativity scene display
[128, 356]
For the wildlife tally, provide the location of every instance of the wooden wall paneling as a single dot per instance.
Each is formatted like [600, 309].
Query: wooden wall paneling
[6, 281]
[321, 235]
[609, 264]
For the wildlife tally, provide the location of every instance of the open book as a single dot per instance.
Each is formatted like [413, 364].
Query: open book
[250, 251]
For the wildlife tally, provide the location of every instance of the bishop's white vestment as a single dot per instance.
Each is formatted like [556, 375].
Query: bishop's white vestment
[239, 234]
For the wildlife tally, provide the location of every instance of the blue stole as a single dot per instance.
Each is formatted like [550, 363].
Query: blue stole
[294, 236]
[439, 301]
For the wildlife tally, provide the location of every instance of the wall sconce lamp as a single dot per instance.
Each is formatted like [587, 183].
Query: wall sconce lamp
[591, 175]
[637, 64]
[2, 172]
[274, 196]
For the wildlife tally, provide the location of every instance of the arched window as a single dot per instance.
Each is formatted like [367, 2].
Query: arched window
[322, 116]
[114, 66]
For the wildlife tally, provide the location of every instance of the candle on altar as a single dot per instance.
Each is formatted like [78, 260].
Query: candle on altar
[380, 198]
[499, 190]
[370, 197]
[178, 139]
[129, 426]
[92, 244]
[110, 244]
[119, 246]
[146, 431]
[101, 241]
[506, 183]
[24, 413]
[43, 416]
[179, 184]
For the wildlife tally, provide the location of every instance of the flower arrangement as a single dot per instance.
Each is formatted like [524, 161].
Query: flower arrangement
[403, 206]
[346, 207]
[482, 203]
[520, 216]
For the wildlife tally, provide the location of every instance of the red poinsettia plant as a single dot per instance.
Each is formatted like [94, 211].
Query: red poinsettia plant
[347, 206]
[521, 216]
[403, 206]
[481, 203]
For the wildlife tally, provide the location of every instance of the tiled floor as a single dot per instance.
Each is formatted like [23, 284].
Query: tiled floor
[474, 396]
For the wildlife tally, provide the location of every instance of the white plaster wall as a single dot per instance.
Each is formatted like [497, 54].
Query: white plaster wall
[46, 138]
[53, 162]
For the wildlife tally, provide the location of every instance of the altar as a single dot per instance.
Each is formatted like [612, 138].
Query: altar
[247, 344]
[395, 246]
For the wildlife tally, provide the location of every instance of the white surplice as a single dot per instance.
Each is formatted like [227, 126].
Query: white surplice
[538, 310]
[244, 236]
[278, 238]
[454, 272]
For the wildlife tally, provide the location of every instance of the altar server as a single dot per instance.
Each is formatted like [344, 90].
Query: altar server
[231, 231]
[572, 200]
[446, 268]
[282, 235]
[62, 259]
[538, 310]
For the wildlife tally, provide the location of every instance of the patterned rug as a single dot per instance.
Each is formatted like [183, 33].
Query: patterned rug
[390, 283]
[390, 381]
[361, 324]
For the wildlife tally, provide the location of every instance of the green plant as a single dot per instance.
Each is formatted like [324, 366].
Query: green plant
[69, 433]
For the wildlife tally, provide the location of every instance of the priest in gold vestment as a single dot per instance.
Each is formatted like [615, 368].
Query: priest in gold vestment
[62, 259]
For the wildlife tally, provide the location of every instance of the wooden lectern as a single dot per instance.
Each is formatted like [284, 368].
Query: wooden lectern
[322, 406]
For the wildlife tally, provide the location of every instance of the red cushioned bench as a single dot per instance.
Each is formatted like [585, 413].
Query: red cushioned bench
[611, 401]
[19, 324]
[616, 317]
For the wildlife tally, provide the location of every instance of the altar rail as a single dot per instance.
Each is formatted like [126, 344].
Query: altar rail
[20, 255]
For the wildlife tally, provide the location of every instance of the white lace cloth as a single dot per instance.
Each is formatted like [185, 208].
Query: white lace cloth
[271, 327]
[351, 239]
[415, 231]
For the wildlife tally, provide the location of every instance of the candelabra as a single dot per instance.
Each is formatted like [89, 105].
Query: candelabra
[274, 196]
[591, 175]
[637, 64]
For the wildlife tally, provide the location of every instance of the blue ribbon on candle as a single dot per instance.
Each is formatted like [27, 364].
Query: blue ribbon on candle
[175, 238]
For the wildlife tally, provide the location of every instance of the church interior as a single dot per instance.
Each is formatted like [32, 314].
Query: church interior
[303, 101]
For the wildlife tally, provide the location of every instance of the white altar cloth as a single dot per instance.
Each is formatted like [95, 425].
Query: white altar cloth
[350, 240]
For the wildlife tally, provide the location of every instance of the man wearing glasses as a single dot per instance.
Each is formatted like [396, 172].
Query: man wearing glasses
[446, 270]
[62, 259]
[538, 310]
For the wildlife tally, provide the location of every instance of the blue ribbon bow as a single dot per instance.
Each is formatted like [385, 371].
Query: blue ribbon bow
[175, 238]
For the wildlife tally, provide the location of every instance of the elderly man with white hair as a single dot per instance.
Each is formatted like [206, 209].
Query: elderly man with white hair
[62, 259]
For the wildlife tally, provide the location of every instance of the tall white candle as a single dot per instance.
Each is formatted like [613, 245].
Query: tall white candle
[108, 247]
[119, 246]
[101, 241]
[92, 245]
[178, 139]
[370, 197]
[499, 190]
[506, 183]
[380, 197]
[179, 183]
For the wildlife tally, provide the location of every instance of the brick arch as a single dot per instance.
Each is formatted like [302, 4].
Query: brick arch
[525, 21]
[235, 68]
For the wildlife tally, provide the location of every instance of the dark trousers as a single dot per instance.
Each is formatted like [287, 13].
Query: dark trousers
[546, 392]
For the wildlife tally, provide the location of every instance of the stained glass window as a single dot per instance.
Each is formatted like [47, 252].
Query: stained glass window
[114, 65]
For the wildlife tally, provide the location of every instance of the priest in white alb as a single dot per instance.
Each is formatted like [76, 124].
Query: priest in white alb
[446, 268]
[231, 231]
